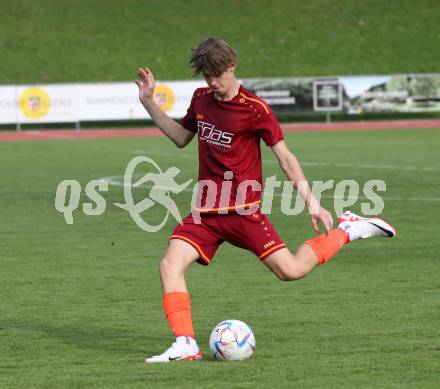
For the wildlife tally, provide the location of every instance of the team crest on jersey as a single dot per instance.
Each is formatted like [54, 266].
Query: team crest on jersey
[210, 134]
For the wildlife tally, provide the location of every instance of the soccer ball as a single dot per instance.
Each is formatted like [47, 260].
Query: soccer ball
[232, 340]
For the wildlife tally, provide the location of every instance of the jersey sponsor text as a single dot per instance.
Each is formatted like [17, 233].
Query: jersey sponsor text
[210, 134]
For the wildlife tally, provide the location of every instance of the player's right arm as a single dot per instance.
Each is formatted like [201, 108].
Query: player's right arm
[172, 129]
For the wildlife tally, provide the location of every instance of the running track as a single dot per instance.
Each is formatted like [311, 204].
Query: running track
[154, 132]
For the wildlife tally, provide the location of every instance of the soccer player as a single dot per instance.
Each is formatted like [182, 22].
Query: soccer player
[229, 122]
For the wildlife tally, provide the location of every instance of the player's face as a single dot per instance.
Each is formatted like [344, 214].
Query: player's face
[222, 84]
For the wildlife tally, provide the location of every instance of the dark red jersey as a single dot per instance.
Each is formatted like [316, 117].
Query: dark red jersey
[229, 134]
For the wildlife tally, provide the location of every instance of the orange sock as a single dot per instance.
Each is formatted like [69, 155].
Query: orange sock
[325, 246]
[177, 309]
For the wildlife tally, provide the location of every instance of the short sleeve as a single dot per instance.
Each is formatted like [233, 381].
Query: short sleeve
[189, 121]
[267, 126]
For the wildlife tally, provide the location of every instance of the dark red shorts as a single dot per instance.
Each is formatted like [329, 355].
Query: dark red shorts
[251, 232]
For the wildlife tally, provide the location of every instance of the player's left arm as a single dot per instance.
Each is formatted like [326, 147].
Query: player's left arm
[292, 169]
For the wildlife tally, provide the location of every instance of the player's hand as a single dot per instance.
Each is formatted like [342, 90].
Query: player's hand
[146, 84]
[322, 216]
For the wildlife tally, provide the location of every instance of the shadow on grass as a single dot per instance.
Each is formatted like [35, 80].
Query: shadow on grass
[86, 336]
[101, 338]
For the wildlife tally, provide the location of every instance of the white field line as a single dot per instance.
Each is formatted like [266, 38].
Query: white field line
[337, 164]
[50, 136]
[119, 181]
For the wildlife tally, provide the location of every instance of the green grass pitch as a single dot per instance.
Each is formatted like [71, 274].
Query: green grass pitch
[107, 40]
[81, 304]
